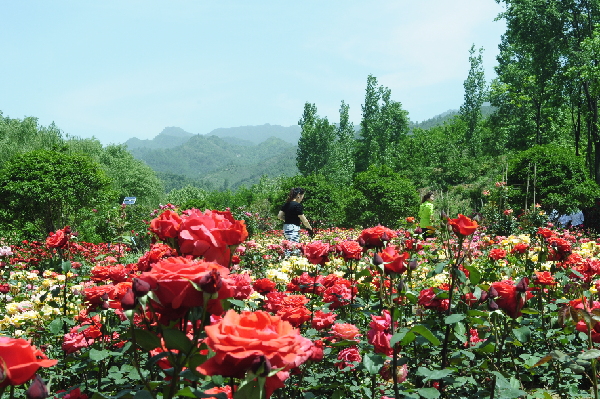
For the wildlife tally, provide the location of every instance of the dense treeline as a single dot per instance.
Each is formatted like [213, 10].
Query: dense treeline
[542, 138]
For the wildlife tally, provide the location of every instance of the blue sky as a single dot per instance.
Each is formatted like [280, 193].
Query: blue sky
[120, 69]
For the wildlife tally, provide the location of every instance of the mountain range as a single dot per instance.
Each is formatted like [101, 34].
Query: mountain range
[227, 158]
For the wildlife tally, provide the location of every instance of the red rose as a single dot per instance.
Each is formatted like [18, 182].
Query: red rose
[210, 234]
[171, 280]
[429, 300]
[264, 286]
[242, 285]
[509, 299]
[520, 248]
[394, 262]
[497, 254]
[166, 225]
[322, 320]
[544, 278]
[157, 252]
[375, 236]
[463, 226]
[21, 361]
[346, 356]
[317, 252]
[295, 315]
[226, 389]
[238, 340]
[349, 250]
[58, 239]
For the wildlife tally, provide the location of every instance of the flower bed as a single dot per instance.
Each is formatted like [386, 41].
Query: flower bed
[377, 313]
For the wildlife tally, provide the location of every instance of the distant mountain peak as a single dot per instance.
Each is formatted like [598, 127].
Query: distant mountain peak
[175, 132]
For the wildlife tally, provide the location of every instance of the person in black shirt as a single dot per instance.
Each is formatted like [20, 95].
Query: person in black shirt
[292, 215]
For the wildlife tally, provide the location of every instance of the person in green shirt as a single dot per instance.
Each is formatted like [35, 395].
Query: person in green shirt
[426, 215]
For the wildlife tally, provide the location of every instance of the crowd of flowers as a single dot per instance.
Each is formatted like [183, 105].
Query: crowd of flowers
[209, 312]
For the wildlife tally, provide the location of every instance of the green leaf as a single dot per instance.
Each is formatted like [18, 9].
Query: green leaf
[146, 339]
[237, 302]
[590, 354]
[399, 336]
[454, 318]
[66, 266]
[429, 393]
[522, 334]
[56, 326]
[425, 333]
[433, 374]
[97, 355]
[176, 339]
[474, 274]
[373, 362]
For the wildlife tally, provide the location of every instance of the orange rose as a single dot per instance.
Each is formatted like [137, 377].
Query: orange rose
[345, 331]
[21, 360]
[171, 280]
[463, 226]
[239, 340]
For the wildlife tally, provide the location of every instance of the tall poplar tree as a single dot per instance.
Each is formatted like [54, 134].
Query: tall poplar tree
[475, 94]
[384, 125]
[315, 146]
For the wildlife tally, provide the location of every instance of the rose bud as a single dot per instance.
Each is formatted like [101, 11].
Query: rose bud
[37, 390]
[522, 285]
[4, 288]
[493, 293]
[140, 287]
[105, 305]
[377, 260]
[211, 282]
[493, 305]
[401, 285]
[412, 264]
[418, 230]
[484, 296]
[361, 241]
[385, 237]
[128, 300]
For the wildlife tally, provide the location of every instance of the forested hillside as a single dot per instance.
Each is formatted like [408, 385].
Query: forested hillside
[220, 164]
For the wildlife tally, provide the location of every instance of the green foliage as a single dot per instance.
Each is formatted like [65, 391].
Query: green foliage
[49, 188]
[554, 175]
[382, 197]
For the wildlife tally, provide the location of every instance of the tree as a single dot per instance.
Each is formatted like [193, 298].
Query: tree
[49, 188]
[554, 176]
[382, 197]
[383, 127]
[475, 94]
[315, 146]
